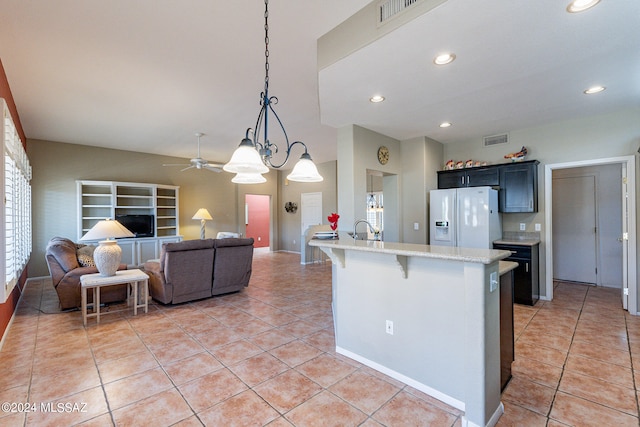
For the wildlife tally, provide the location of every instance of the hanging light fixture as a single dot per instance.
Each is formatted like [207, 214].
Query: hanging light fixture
[253, 156]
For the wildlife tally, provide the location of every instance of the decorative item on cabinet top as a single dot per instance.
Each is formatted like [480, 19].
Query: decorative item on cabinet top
[291, 207]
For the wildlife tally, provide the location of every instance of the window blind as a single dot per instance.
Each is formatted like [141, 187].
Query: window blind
[17, 231]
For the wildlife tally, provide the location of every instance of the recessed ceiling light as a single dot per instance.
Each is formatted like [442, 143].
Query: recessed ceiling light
[581, 5]
[376, 98]
[445, 124]
[594, 89]
[444, 58]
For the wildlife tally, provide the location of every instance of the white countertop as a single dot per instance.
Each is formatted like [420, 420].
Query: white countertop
[506, 266]
[517, 242]
[483, 256]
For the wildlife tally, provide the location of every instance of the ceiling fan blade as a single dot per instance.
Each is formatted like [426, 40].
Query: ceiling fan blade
[187, 168]
[175, 164]
[213, 168]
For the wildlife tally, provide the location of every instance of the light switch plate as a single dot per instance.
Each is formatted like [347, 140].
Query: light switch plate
[416, 226]
[523, 226]
[538, 227]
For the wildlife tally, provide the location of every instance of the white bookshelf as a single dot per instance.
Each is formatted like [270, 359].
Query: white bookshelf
[98, 200]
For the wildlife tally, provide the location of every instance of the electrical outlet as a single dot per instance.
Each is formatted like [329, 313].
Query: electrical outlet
[523, 226]
[493, 281]
[294, 242]
[416, 226]
[538, 227]
[389, 327]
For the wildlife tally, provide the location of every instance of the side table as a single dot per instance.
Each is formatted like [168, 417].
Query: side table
[95, 281]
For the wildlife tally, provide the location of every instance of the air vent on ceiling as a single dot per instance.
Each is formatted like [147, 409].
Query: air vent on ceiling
[389, 8]
[495, 140]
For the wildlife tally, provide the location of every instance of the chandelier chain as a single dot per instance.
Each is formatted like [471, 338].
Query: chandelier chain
[266, 46]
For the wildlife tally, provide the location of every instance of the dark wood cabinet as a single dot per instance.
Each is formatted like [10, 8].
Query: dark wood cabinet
[519, 187]
[507, 352]
[526, 280]
[472, 177]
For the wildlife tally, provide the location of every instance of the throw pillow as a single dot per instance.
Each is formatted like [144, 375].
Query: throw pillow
[85, 256]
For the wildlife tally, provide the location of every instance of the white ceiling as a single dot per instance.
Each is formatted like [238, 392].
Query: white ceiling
[146, 75]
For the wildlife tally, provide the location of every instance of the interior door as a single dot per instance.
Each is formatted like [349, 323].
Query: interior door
[624, 238]
[310, 210]
[574, 229]
[258, 219]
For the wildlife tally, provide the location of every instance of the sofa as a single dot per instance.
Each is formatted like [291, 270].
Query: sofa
[62, 257]
[196, 269]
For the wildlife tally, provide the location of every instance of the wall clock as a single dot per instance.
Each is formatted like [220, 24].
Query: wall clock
[383, 155]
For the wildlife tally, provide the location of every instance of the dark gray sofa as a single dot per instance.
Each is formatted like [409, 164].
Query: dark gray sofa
[196, 269]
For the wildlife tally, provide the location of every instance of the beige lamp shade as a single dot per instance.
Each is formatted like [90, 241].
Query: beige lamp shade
[107, 229]
[108, 254]
[203, 215]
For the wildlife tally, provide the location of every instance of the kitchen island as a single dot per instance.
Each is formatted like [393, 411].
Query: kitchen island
[428, 316]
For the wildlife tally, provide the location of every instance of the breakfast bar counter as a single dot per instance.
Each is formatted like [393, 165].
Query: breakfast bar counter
[428, 316]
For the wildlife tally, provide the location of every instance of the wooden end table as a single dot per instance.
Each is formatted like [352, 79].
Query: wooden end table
[134, 278]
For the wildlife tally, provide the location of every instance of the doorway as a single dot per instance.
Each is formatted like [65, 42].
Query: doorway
[258, 219]
[625, 202]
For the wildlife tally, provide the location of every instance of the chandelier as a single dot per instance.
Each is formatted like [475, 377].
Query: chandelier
[254, 157]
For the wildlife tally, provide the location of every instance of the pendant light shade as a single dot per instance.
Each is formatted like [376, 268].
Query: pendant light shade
[248, 178]
[305, 170]
[246, 159]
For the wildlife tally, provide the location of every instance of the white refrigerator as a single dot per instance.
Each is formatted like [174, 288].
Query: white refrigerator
[465, 217]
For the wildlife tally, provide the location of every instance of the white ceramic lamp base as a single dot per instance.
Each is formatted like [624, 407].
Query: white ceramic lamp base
[107, 257]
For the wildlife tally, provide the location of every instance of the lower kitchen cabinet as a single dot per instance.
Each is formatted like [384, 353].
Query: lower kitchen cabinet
[507, 352]
[526, 280]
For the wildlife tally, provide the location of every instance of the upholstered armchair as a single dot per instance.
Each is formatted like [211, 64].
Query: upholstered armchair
[232, 265]
[183, 273]
[62, 260]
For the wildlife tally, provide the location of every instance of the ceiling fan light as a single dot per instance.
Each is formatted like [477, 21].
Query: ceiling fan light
[305, 170]
[248, 178]
[246, 159]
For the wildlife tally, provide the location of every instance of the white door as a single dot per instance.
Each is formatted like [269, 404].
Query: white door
[310, 210]
[574, 229]
[624, 239]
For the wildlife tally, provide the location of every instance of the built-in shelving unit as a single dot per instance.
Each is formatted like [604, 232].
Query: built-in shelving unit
[98, 200]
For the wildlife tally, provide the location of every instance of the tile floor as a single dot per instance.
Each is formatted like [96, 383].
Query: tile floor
[266, 356]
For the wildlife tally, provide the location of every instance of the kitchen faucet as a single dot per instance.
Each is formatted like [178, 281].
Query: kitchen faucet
[373, 230]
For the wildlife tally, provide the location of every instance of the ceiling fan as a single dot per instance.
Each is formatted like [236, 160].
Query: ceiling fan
[198, 162]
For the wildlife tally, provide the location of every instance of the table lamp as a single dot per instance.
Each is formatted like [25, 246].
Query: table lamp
[108, 254]
[203, 215]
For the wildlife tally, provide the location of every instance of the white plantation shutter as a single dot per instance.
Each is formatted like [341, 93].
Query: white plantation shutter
[16, 174]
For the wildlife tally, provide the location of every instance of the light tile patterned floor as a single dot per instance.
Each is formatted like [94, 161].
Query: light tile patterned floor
[266, 357]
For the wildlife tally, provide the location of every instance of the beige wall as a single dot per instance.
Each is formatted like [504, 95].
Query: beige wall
[290, 223]
[57, 166]
[421, 158]
[413, 164]
[598, 137]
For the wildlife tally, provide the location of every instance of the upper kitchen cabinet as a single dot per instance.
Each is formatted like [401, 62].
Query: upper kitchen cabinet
[471, 177]
[519, 187]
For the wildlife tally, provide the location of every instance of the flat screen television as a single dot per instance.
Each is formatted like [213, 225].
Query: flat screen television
[139, 225]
